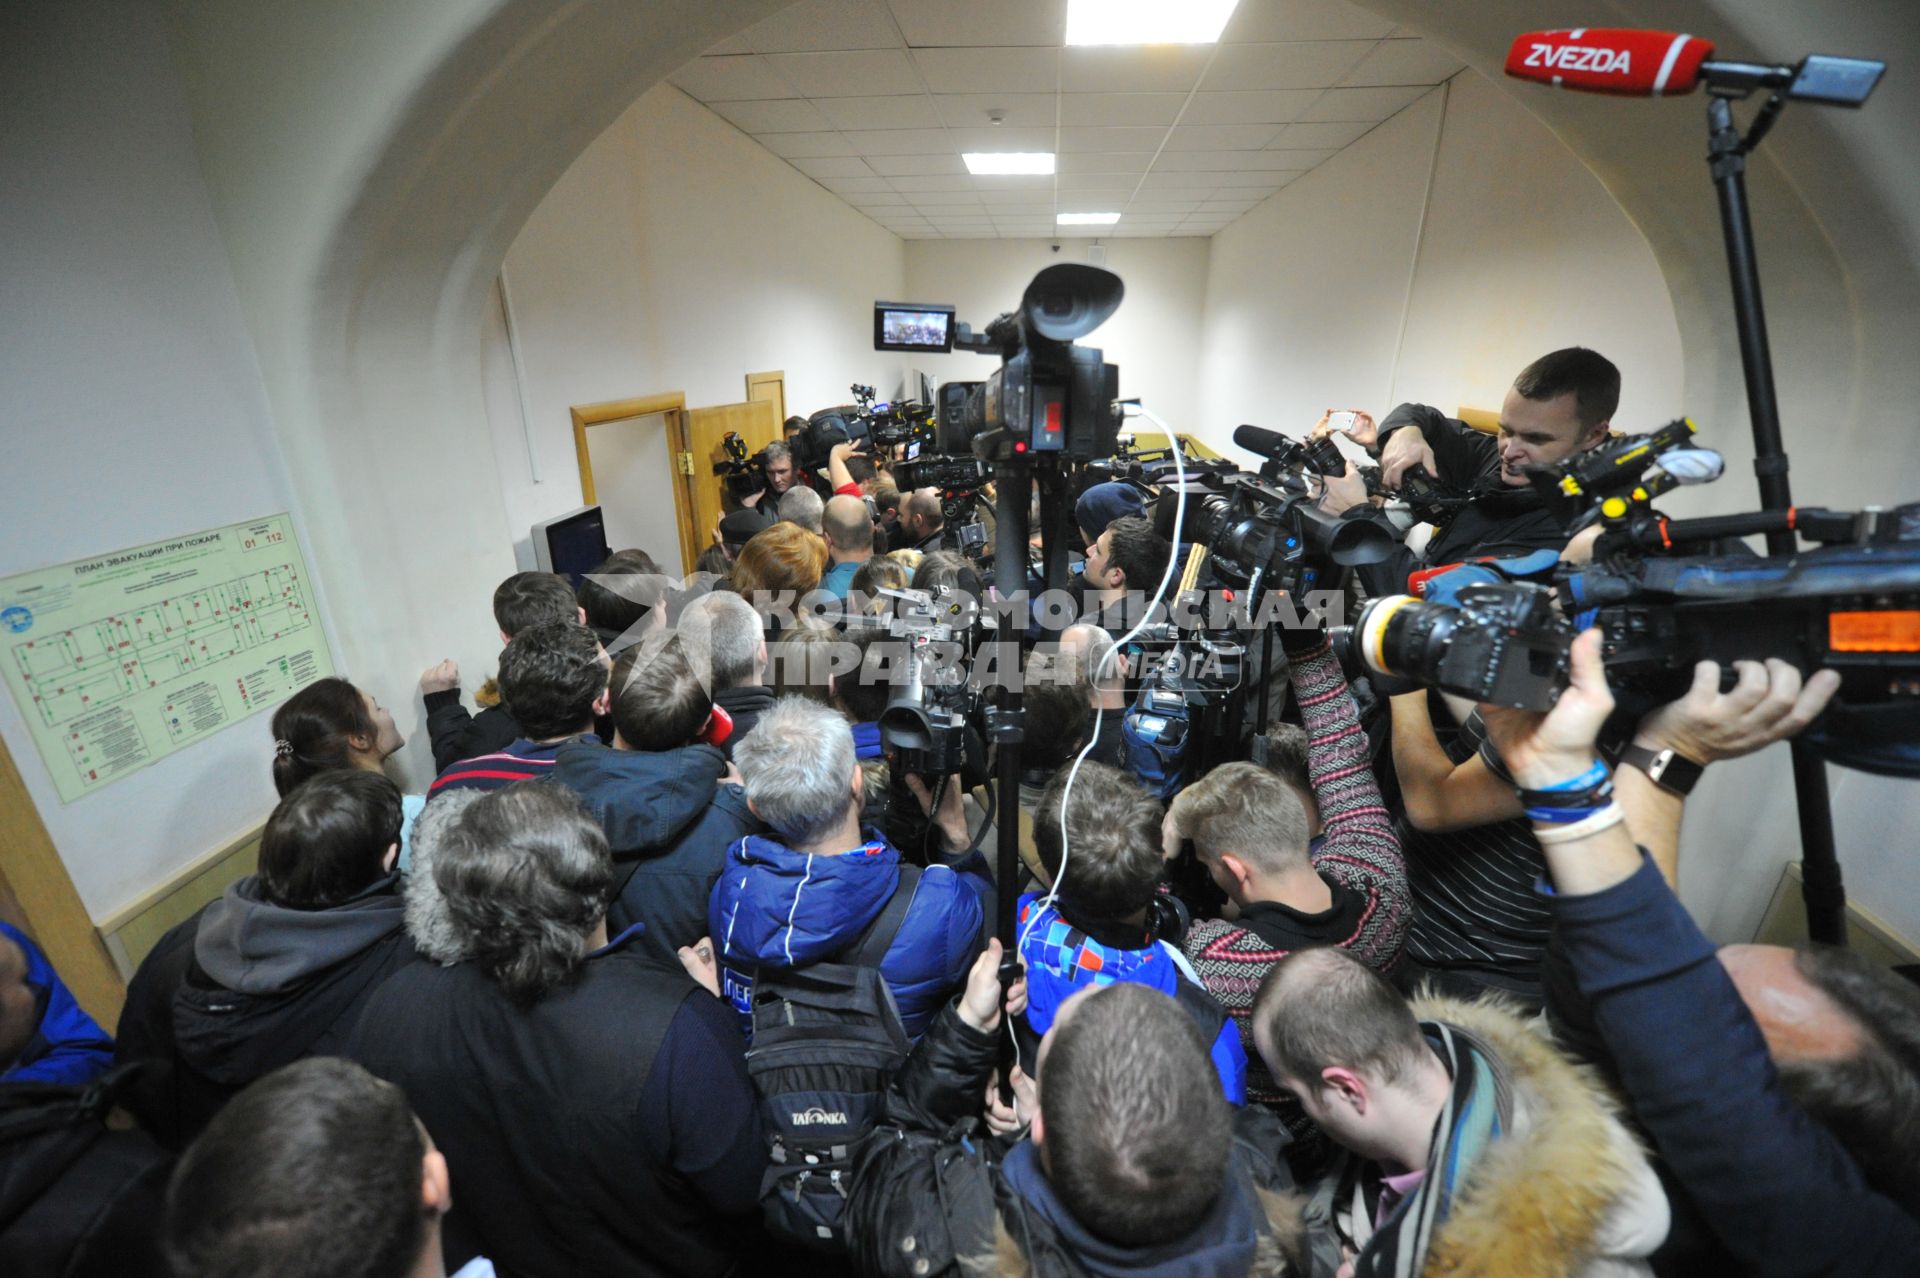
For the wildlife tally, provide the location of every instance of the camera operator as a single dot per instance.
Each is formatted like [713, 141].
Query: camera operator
[778, 469]
[1781, 1088]
[923, 525]
[1559, 405]
[1129, 557]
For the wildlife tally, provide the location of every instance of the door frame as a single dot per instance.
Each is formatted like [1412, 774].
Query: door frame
[673, 406]
[38, 896]
[757, 382]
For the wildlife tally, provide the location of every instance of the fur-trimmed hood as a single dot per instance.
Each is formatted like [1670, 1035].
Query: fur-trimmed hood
[1567, 1190]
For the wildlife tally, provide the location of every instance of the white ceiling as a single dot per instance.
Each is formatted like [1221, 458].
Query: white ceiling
[876, 100]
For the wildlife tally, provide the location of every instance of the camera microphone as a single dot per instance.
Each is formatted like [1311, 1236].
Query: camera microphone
[1268, 443]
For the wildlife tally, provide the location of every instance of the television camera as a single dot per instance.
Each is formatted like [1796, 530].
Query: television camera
[1665, 598]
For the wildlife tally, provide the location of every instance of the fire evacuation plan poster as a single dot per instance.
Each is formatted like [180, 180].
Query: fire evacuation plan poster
[122, 659]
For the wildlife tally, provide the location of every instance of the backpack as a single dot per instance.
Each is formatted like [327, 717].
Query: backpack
[77, 1199]
[827, 1039]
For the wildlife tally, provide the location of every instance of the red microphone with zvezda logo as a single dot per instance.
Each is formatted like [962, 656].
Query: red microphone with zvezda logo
[1606, 60]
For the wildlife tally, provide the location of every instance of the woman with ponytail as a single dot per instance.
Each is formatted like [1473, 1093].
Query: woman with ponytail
[329, 725]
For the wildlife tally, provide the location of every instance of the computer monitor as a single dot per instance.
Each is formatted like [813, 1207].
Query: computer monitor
[573, 544]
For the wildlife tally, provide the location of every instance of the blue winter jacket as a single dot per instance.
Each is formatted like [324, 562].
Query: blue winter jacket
[67, 1045]
[1062, 960]
[774, 907]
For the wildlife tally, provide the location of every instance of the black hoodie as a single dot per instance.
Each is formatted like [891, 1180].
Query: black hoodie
[247, 986]
[669, 822]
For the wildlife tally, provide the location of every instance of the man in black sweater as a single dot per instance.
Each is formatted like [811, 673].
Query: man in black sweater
[1559, 405]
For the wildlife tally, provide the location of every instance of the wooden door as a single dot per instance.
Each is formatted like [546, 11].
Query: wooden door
[758, 423]
[771, 387]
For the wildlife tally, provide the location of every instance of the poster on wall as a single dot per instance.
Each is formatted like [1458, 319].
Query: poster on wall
[122, 659]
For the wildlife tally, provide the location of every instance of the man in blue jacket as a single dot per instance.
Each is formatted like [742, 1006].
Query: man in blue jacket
[808, 892]
[1784, 1102]
[45, 1036]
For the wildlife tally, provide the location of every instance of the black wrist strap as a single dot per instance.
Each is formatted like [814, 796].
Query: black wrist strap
[1667, 769]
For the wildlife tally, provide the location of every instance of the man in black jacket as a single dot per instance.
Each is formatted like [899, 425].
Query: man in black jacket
[280, 967]
[1142, 1169]
[593, 1104]
[522, 600]
[1559, 405]
[662, 796]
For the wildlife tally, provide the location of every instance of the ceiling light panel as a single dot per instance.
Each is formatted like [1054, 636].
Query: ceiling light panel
[1146, 21]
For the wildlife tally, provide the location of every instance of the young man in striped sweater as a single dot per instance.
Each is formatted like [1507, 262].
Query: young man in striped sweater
[554, 678]
[1287, 889]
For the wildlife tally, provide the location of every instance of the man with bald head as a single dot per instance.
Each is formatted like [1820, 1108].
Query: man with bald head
[922, 521]
[849, 534]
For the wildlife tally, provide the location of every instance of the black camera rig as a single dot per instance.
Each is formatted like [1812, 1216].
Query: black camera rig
[1664, 602]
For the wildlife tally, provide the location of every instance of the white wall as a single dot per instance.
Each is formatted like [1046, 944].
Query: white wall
[1523, 251]
[133, 406]
[678, 254]
[1154, 337]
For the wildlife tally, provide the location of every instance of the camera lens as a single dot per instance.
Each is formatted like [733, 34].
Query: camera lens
[1402, 635]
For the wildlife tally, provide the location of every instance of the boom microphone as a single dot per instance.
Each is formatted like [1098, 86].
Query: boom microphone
[1637, 64]
[1653, 64]
[1268, 443]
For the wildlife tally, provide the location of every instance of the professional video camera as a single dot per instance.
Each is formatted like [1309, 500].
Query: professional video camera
[907, 423]
[1267, 533]
[1425, 497]
[812, 443]
[1851, 605]
[924, 725]
[1049, 397]
[744, 475]
[958, 480]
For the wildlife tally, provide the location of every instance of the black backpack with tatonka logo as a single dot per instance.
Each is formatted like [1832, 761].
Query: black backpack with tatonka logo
[827, 1039]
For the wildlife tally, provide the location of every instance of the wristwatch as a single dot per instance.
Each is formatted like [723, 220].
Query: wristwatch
[1667, 769]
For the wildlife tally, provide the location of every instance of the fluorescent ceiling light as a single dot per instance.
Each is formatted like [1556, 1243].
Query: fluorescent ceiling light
[1147, 21]
[1087, 219]
[1020, 162]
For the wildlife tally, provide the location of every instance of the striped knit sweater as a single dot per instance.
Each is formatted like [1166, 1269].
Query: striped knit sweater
[1357, 851]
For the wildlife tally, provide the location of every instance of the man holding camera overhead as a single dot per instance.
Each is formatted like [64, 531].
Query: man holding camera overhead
[1477, 922]
[1559, 405]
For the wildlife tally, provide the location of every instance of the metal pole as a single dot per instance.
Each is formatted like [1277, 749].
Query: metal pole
[1820, 884]
[1013, 492]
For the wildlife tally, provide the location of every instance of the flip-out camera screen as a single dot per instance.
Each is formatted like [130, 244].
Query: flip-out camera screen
[912, 326]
